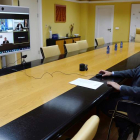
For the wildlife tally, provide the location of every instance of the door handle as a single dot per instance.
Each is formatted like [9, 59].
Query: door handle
[109, 30]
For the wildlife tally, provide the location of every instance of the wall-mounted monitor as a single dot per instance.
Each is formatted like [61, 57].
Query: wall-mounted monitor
[14, 29]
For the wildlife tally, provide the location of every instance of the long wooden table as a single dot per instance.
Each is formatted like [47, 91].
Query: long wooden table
[24, 99]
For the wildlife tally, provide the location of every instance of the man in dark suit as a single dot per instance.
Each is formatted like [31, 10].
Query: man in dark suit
[19, 26]
[125, 93]
[5, 41]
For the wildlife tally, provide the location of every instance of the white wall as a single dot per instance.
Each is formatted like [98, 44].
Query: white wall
[35, 29]
[12, 57]
[34, 53]
[9, 37]
[135, 21]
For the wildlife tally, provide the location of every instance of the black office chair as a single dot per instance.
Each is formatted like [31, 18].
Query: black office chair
[124, 115]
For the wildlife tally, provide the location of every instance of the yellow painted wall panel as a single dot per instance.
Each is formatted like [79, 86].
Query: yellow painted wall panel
[84, 21]
[122, 17]
[72, 16]
[83, 16]
[15, 2]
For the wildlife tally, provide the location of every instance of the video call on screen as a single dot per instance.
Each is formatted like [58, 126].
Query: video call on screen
[14, 32]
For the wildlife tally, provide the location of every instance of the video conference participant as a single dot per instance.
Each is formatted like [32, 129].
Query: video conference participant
[26, 23]
[5, 41]
[125, 93]
[19, 26]
[2, 26]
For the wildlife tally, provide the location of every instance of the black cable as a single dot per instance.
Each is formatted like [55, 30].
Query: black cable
[51, 74]
[37, 77]
[70, 74]
[33, 76]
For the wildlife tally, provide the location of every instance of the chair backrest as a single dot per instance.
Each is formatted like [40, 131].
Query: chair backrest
[72, 47]
[88, 130]
[50, 51]
[82, 44]
[137, 37]
[99, 41]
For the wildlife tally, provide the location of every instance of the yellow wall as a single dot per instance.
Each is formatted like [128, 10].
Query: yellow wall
[15, 2]
[84, 21]
[121, 20]
[83, 15]
[73, 16]
[122, 16]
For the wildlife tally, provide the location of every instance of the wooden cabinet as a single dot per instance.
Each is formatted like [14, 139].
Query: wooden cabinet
[76, 39]
[68, 41]
[60, 42]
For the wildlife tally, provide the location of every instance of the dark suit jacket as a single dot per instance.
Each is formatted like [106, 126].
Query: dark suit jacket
[6, 42]
[18, 26]
[132, 91]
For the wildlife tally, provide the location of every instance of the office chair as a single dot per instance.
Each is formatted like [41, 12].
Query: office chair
[124, 115]
[50, 51]
[82, 44]
[71, 47]
[99, 41]
[137, 37]
[88, 130]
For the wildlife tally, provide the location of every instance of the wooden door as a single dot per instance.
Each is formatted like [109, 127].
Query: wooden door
[104, 22]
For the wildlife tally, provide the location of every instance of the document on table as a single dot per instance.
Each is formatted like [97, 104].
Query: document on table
[86, 83]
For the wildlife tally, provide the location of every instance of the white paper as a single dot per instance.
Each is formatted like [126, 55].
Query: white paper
[86, 83]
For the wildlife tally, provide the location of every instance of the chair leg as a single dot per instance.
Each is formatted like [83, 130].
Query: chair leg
[126, 133]
[135, 132]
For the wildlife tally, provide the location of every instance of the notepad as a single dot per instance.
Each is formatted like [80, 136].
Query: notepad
[86, 83]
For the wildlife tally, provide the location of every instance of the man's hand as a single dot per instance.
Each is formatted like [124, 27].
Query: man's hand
[105, 73]
[114, 85]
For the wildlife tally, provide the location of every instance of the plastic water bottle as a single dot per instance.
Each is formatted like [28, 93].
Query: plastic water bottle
[121, 44]
[108, 50]
[116, 46]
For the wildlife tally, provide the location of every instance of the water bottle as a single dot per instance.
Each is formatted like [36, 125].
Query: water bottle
[121, 44]
[108, 50]
[116, 47]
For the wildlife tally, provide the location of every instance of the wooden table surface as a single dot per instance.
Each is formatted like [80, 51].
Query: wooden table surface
[20, 94]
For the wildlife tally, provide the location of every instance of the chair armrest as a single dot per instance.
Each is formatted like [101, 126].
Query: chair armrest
[41, 50]
[124, 101]
[130, 102]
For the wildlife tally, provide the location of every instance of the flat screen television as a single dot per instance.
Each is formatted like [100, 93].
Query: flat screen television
[14, 29]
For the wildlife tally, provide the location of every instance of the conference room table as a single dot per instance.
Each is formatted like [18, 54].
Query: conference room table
[38, 103]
